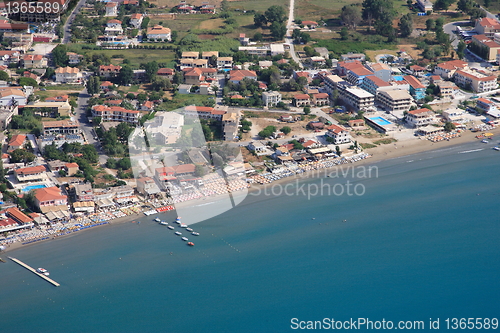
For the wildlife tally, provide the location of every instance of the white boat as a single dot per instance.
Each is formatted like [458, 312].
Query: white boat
[163, 223]
[184, 239]
[496, 148]
[184, 226]
[42, 271]
[484, 141]
[157, 220]
[195, 233]
[189, 229]
[178, 233]
[170, 227]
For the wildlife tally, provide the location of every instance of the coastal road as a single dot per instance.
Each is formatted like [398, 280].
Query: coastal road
[288, 38]
[67, 26]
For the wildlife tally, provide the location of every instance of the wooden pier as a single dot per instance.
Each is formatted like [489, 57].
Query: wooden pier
[46, 278]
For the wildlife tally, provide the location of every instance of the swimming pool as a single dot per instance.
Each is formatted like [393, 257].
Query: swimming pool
[33, 187]
[380, 121]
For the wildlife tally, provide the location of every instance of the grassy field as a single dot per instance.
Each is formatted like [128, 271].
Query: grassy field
[257, 5]
[172, 3]
[179, 101]
[53, 93]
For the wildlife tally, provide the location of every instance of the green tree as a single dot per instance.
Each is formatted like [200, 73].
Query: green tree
[258, 37]
[27, 81]
[406, 25]
[430, 24]
[351, 15]
[338, 151]
[151, 70]
[344, 34]
[125, 75]
[307, 110]
[259, 20]
[379, 11]
[443, 4]
[21, 156]
[461, 49]
[276, 14]
[286, 130]
[59, 55]
[449, 126]
[4, 76]
[278, 30]
[93, 85]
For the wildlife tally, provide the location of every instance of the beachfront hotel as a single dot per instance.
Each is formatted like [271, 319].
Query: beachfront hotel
[420, 117]
[354, 97]
[339, 134]
[395, 101]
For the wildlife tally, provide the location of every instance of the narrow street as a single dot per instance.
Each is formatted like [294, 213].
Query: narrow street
[288, 38]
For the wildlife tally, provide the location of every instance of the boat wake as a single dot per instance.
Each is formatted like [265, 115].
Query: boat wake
[470, 151]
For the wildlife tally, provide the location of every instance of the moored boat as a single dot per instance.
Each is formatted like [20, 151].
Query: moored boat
[42, 271]
[484, 141]
[189, 229]
[184, 226]
[184, 239]
[195, 233]
[178, 233]
[157, 220]
[496, 148]
[163, 223]
[190, 243]
[170, 227]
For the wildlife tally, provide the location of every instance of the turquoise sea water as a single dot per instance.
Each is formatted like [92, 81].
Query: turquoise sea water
[421, 243]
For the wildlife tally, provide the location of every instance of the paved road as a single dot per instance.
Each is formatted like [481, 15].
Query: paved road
[66, 28]
[86, 126]
[450, 28]
[488, 14]
[288, 38]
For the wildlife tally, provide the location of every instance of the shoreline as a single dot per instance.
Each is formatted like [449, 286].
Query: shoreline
[377, 154]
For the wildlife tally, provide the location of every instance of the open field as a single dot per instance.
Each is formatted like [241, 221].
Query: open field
[172, 3]
[180, 22]
[257, 5]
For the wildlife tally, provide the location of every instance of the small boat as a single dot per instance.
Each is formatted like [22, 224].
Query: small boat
[496, 148]
[195, 233]
[2, 260]
[184, 239]
[170, 227]
[190, 243]
[157, 220]
[178, 233]
[42, 271]
[184, 226]
[484, 141]
[178, 220]
[189, 229]
[163, 223]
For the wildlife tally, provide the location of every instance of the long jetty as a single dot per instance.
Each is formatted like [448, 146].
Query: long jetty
[29, 268]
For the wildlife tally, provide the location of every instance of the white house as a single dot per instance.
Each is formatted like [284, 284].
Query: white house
[420, 117]
[68, 74]
[111, 9]
[12, 96]
[136, 20]
[159, 32]
[338, 134]
[113, 27]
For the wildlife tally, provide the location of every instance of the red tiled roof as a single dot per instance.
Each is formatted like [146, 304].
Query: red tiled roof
[453, 64]
[335, 129]
[30, 170]
[417, 68]
[309, 23]
[72, 165]
[414, 82]
[484, 100]
[48, 193]
[377, 81]
[321, 95]
[301, 96]
[17, 140]
[17, 215]
[414, 112]
[167, 71]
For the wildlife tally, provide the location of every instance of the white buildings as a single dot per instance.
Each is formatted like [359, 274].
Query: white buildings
[166, 127]
[113, 27]
[356, 98]
[338, 134]
[10, 96]
[159, 33]
[111, 9]
[68, 75]
[424, 5]
[396, 101]
[271, 98]
[420, 117]
[447, 69]
[476, 81]
[136, 20]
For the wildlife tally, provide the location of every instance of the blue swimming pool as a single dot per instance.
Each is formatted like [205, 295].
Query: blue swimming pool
[33, 187]
[380, 121]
